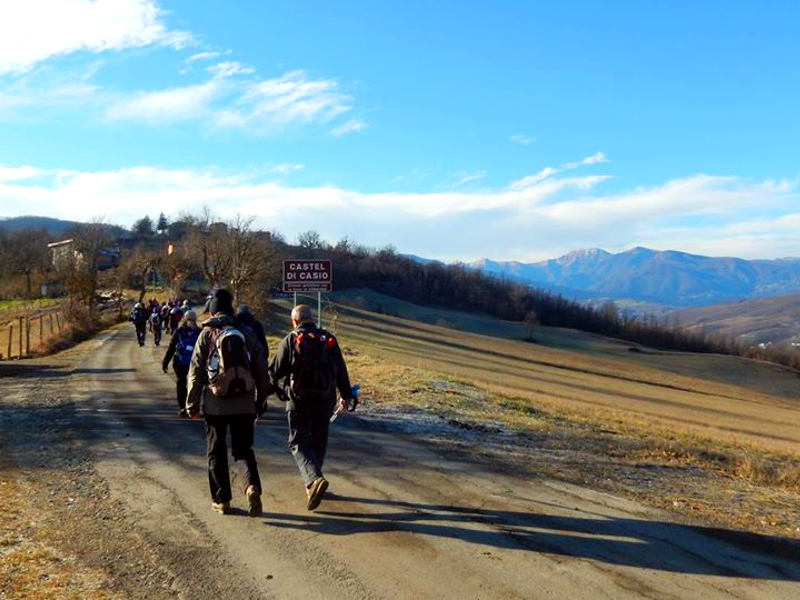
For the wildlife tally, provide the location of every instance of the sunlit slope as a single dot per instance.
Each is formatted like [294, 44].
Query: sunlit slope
[720, 396]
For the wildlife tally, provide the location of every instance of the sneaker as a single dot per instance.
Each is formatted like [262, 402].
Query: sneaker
[254, 501]
[222, 508]
[183, 414]
[315, 491]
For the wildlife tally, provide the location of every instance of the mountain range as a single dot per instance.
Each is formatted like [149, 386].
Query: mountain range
[667, 278]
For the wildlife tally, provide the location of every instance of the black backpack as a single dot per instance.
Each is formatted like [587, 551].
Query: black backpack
[312, 376]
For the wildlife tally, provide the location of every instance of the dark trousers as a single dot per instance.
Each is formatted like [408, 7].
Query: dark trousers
[156, 334]
[141, 331]
[242, 449]
[308, 441]
[181, 373]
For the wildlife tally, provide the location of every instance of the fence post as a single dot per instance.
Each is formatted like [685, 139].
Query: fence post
[58, 321]
[21, 326]
[41, 331]
[10, 337]
[27, 335]
[51, 323]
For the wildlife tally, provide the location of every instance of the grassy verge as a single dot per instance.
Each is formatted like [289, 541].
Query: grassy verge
[79, 327]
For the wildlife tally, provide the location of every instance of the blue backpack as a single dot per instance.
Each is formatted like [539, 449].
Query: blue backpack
[187, 336]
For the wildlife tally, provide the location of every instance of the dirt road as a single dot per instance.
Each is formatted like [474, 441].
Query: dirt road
[401, 521]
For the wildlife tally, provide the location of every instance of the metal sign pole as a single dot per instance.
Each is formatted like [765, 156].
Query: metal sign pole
[295, 299]
[319, 309]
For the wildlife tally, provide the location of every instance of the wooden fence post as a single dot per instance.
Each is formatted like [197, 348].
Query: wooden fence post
[10, 337]
[21, 326]
[58, 321]
[41, 331]
[51, 323]
[27, 335]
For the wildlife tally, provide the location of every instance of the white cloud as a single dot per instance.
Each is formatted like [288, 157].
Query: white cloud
[285, 168]
[260, 107]
[229, 69]
[18, 173]
[522, 139]
[544, 218]
[187, 103]
[353, 125]
[467, 177]
[548, 172]
[202, 56]
[32, 31]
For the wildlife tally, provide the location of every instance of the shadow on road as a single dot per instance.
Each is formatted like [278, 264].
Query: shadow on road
[628, 542]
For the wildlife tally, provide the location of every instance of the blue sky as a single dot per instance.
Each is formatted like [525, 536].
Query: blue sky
[455, 130]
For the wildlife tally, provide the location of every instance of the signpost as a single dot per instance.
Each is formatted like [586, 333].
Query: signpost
[308, 276]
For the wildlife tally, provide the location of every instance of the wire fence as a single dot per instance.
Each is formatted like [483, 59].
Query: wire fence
[24, 333]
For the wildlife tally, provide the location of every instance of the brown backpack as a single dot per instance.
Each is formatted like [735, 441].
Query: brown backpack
[228, 365]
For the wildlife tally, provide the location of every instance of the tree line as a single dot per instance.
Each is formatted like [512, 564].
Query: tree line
[235, 254]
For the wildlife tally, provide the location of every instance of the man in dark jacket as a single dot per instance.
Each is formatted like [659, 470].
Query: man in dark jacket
[246, 318]
[139, 319]
[227, 364]
[179, 352]
[310, 405]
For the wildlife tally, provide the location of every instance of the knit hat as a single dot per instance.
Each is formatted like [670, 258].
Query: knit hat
[220, 302]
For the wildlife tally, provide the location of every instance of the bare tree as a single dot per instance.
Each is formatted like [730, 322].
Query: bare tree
[26, 253]
[209, 239]
[82, 267]
[137, 265]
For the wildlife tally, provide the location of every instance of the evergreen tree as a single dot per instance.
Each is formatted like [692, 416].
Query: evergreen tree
[162, 224]
[143, 227]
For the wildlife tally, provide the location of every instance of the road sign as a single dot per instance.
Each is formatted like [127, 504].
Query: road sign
[305, 276]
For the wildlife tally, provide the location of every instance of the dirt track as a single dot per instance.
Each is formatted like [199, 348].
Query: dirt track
[401, 521]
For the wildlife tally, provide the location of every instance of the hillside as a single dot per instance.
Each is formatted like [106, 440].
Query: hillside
[756, 321]
[667, 277]
[54, 227]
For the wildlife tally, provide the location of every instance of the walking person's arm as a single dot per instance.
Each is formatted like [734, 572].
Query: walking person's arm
[173, 345]
[196, 379]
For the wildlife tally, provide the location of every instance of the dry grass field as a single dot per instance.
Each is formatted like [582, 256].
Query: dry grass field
[722, 397]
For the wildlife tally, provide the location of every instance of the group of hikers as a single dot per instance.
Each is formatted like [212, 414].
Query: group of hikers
[167, 315]
[223, 375]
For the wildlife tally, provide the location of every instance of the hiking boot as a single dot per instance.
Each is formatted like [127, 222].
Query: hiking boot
[222, 508]
[315, 491]
[253, 501]
[183, 414]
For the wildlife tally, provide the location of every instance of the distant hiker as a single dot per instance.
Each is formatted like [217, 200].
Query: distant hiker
[155, 325]
[309, 368]
[229, 371]
[175, 316]
[246, 317]
[139, 319]
[180, 350]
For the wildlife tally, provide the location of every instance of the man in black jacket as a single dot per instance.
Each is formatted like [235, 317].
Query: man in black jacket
[245, 317]
[232, 392]
[310, 368]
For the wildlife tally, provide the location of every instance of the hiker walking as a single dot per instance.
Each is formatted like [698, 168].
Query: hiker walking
[229, 375]
[245, 316]
[309, 368]
[175, 315]
[155, 326]
[179, 352]
[139, 319]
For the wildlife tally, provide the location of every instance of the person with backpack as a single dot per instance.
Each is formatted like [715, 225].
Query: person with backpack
[155, 325]
[229, 375]
[139, 319]
[246, 317]
[309, 369]
[175, 316]
[180, 350]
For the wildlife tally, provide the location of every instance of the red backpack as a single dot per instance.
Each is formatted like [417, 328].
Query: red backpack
[312, 376]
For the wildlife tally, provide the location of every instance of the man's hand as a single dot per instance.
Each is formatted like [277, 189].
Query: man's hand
[164, 367]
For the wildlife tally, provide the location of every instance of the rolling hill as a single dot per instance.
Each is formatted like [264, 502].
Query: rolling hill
[756, 321]
[669, 277]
